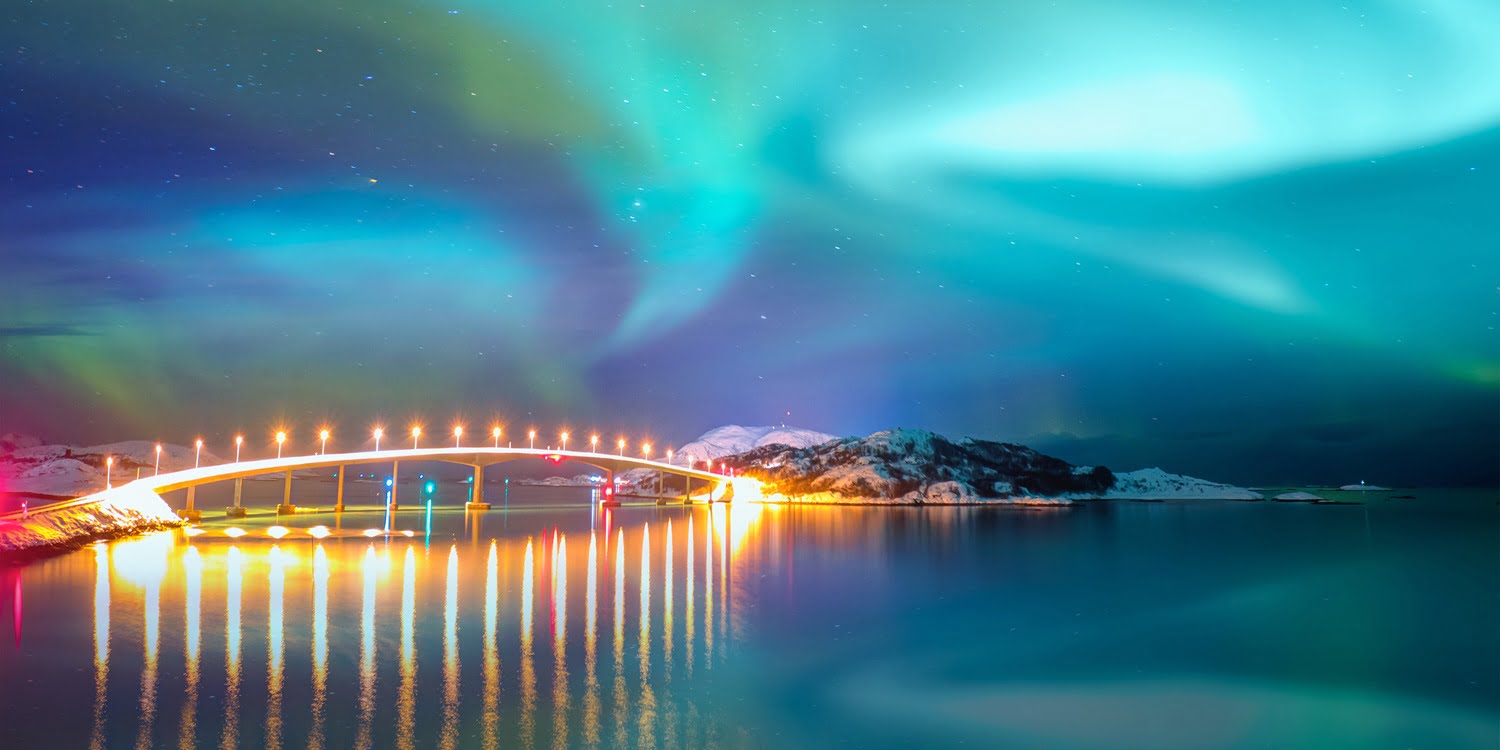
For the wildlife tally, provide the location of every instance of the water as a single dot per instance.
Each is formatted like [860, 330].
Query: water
[1169, 625]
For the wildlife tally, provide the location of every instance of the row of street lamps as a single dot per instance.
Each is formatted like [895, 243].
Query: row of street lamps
[416, 436]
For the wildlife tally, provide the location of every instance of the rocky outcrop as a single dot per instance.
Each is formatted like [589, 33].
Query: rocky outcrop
[919, 468]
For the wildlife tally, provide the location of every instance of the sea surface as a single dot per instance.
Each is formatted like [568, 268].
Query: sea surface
[553, 623]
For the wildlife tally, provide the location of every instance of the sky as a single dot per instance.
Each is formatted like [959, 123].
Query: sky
[1252, 241]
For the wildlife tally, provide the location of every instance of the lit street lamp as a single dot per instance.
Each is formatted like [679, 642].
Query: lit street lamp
[669, 455]
[565, 441]
[109, 465]
[280, 438]
[621, 445]
[496, 433]
[238, 441]
[593, 443]
[646, 450]
[324, 437]
[158, 460]
[416, 432]
[458, 432]
[532, 436]
[197, 452]
[378, 433]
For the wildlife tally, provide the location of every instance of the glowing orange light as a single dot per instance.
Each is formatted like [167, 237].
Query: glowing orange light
[318, 532]
[277, 532]
[234, 532]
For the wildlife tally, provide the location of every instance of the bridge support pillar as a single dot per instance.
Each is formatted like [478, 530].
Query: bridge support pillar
[190, 513]
[395, 482]
[338, 505]
[286, 508]
[609, 500]
[476, 495]
[237, 510]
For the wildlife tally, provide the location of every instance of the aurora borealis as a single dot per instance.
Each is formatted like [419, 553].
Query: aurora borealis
[1248, 241]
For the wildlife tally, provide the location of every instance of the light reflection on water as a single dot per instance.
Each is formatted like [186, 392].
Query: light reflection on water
[752, 627]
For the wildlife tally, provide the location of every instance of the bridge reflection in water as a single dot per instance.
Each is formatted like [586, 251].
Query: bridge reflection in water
[356, 657]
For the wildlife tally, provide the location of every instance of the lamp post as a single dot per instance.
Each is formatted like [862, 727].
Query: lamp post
[238, 441]
[532, 437]
[158, 460]
[565, 441]
[416, 433]
[280, 438]
[197, 452]
[378, 433]
[621, 445]
[109, 465]
[646, 450]
[323, 435]
[458, 432]
[496, 434]
[593, 443]
[669, 455]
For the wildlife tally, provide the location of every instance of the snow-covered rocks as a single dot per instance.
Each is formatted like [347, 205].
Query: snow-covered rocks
[916, 467]
[122, 510]
[1155, 484]
[1297, 497]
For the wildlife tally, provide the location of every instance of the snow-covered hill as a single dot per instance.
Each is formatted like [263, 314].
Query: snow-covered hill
[721, 442]
[917, 467]
[734, 439]
[1155, 484]
[72, 470]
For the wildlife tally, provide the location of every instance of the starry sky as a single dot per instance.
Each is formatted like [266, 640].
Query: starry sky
[1253, 241]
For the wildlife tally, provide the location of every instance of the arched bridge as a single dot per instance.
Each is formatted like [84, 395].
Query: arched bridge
[476, 458]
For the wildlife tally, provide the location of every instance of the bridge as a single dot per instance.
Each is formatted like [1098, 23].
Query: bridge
[478, 459]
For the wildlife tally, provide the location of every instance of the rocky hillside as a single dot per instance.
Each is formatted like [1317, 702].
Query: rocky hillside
[918, 467]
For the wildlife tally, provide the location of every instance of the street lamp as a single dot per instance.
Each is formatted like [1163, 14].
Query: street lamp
[646, 450]
[532, 437]
[109, 465]
[593, 443]
[378, 433]
[416, 432]
[496, 434]
[238, 441]
[621, 445]
[458, 432]
[565, 441]
[198, 452]
[323, 435]
[669, 455]
[280, 438]
[158, 460]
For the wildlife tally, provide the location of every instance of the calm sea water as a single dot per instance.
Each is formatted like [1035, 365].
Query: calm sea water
[1124, 625]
